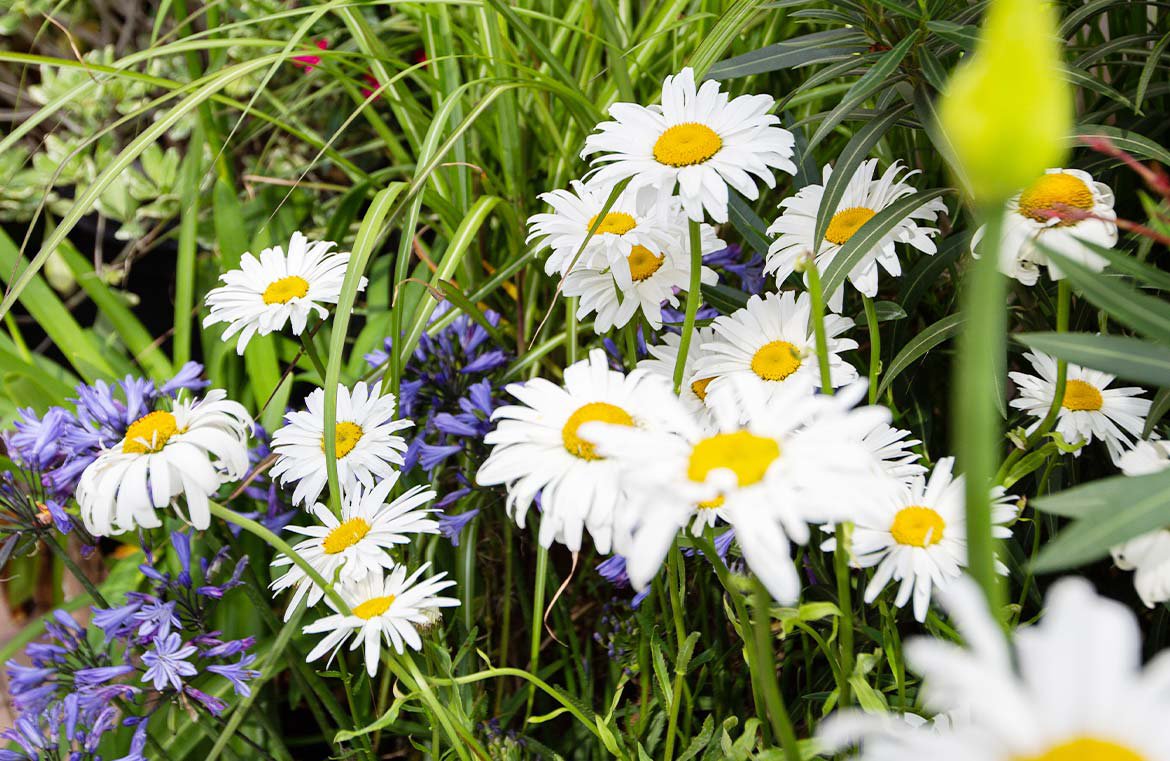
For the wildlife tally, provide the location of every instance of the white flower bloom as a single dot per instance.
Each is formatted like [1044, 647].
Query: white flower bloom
[278, 288]
[1073, 690]
[771, 339]
[1149, 554]
[537, 449]
[633, 220]
[892, 448]
[190, 450]
[864, 198]
[357, 544]
[1090, 409]
[386, 609]
[799, 459]
[366, 446]
[916, 534]
[698, 140]
[663, 357]
[1029, 221]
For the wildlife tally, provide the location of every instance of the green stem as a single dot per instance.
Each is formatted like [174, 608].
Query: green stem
[674, 584]
[571, 326]
[312, 353]
[694, 296]
[537, 616]
[843, 532]
[766, 662]
[875, 347]
[74, 569]
[818, 320]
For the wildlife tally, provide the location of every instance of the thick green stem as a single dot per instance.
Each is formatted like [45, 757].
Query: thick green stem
[312, 353]
[694, 296]
[537, 617]
[766, 664]
[674, 584]
[818, 320]
[875, 347]
[843, 532]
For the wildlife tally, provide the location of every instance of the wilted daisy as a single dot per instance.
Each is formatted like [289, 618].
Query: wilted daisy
[647, 278]
[633, 220]
[1148, 555]
[366, 445]
[864, 197]
[771, 339]
[1059, 211]
[1090, 409]
[278, 288]
[916, 535]
[698, 140]
[537, 449]
[1073, 690]
[388, 609]
[190, 450]
[799, 459]
[355, 545]
[664, 356]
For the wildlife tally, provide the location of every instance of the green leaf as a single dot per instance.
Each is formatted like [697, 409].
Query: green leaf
[1130, 358]
[1158, 410]
[748, 223]
[817, 47]
[963, 35]
[1130, 142]
[724, 298]
[918, 346]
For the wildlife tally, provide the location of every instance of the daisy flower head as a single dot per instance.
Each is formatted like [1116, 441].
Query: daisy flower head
[771, 340]
[367, 446]
[664, 356]
[634, 220]
[357, 544]
[1148, 555]
[278, 288]
[384, 609]
[916, 535]
[1061, 211]
[797, 460]
[537, 448]
[1090, 409]
[1073, 689]
[865, 196]
[699, 140]
[191, 450]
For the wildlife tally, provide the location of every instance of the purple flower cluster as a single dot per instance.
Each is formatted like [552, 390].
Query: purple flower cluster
[749, 270]
[78, 687]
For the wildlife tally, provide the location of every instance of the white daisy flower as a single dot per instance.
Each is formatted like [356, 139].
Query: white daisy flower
[771, 339]
[366, 446]
[1090, 409]
[352, 547]
[864, 198]
[537, 449]
[646, 279]
[892, 447]
[386, 609]
[278, 288]
[1072, 690]
[916, 534]
[189, 450]
[1030, 220]
[698, 140]
[1149, 554]
[664, 356]
[634, 220]
[799, 459]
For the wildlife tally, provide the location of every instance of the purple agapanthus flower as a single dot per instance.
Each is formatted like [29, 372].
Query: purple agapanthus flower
[613, 570]
[749, 269]
[167, 662]
[451, 526]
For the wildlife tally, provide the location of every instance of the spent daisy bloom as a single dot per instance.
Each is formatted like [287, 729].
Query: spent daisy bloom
[357, 544]
[189, 450]
[916, 534]
[771, 340]
[1090, 409]
[276, 288]
[634, 220]
[864, 197]
[367, 447]
[798, 460]
[699, 140]
[1061, 211]
[384, 608]
[664, 356]
[645, 280]
[1073, 689]
[1148, 555]
[537, 448]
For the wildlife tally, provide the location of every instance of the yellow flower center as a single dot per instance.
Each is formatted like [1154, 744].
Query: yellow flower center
[700, 388]
[643, 263]
[150, 433]
[846, 222]
[745, 454]
[918, 526]
[375, 606]
[1087, 749]
[594, 412]
[1051, 191]
[345, 439]
[615, 222]
[712, 504]
[776, 360]
[687, 144]
[1080, 396]
[285, 290]
[346, 535]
